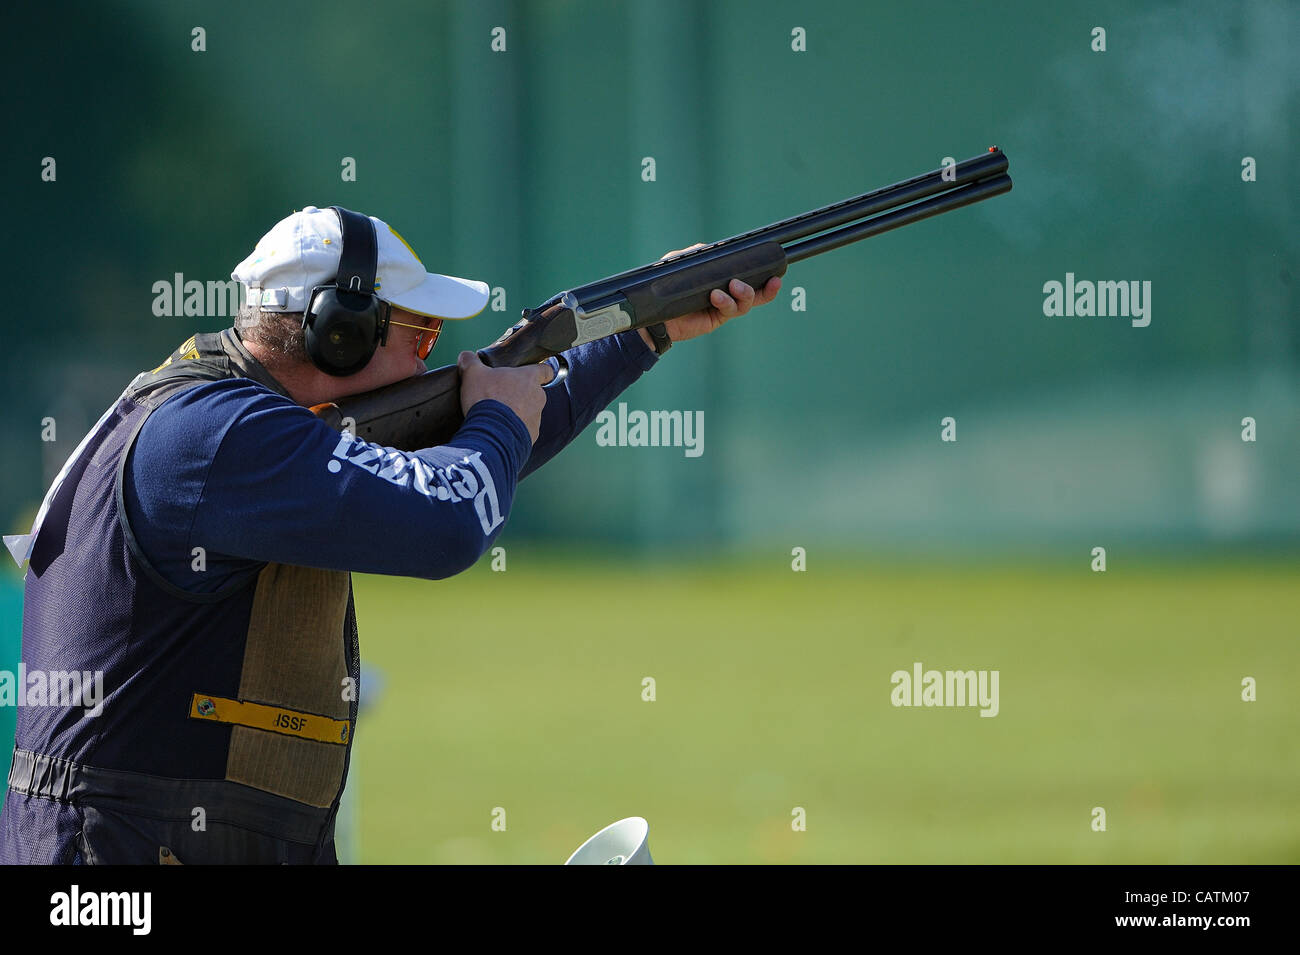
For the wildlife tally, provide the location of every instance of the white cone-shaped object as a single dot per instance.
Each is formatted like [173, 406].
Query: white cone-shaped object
[622, 843]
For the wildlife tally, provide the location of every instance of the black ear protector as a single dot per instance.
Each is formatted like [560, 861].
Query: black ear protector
[345, 322]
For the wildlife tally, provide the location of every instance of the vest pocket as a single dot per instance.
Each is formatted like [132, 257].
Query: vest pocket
[111, 837]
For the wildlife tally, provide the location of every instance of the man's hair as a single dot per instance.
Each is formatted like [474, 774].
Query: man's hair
[279, 333]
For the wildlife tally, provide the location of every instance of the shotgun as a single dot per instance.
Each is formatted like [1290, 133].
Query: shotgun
[424, 411]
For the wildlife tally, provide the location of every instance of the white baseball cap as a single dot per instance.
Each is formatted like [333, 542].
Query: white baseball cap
[303, 250]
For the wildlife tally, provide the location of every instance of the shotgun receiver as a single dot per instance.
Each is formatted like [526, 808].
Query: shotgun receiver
[424, 410]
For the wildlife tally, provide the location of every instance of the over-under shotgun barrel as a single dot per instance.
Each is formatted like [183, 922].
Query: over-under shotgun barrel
[424, 411]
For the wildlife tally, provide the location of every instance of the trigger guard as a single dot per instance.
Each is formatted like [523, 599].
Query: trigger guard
[561, 372]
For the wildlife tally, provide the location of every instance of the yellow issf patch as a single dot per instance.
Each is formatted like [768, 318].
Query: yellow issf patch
[273, 719]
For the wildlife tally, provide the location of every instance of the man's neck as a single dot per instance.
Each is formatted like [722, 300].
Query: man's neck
[302, 383]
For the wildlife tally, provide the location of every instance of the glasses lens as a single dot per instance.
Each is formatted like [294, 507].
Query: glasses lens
[424, 344]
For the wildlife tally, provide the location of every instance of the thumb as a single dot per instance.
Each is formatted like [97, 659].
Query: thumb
[467, 358]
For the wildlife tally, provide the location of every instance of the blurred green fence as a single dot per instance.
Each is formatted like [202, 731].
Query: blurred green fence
[526, 167]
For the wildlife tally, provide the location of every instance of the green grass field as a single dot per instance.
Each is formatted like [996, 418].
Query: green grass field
[523, 690]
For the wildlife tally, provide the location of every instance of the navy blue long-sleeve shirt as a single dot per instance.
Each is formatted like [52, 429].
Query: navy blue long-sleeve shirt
[250, 477]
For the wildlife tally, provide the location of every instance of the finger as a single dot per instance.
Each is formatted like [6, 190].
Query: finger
[723, 302]
[465, 359]
[547, 374]
[743, 294]
[770, 290]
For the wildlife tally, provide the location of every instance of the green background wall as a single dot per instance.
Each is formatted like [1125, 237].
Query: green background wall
[523, 168]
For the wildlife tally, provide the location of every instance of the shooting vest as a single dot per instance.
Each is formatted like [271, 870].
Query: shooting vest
[239, 703]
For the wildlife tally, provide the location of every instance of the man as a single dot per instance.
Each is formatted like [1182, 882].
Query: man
[194, 555]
